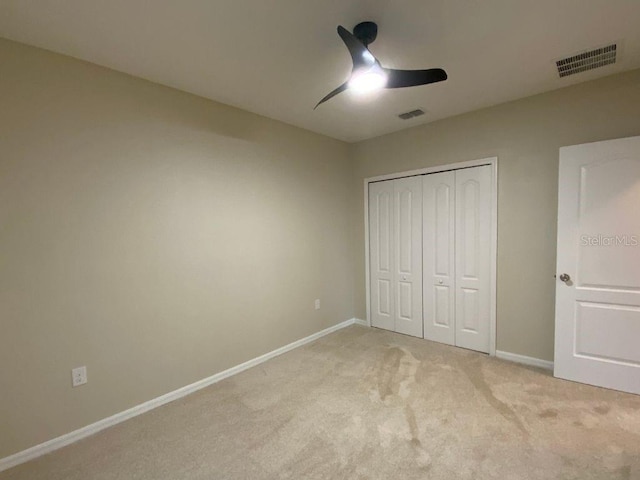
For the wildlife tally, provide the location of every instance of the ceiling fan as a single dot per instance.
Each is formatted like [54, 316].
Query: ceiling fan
[368, 74]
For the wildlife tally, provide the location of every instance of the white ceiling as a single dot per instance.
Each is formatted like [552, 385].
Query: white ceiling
[279, 57]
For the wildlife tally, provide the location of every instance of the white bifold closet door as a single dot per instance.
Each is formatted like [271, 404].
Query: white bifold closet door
[438, 213]
[473, 257]
[395, 241]
[457, 257]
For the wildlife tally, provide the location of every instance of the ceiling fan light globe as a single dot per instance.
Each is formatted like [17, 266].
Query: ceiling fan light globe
[367, 81]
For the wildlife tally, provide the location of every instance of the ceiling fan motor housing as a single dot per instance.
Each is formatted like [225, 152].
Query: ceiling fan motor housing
[366, 32]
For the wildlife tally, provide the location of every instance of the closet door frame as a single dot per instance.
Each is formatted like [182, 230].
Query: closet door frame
[493, 162]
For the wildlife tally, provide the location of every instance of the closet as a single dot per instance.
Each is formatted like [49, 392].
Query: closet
[430, 256]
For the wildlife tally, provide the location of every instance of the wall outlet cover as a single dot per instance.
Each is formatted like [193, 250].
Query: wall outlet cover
[79, 376]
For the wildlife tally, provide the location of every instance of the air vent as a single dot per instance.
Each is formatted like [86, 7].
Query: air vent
[411, 114]
[587, 60]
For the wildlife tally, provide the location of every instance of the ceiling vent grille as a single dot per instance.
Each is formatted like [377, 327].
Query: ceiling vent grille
[411, 114]
[587, 60]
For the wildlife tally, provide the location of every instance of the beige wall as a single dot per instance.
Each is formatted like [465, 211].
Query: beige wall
[154, 236]
[525, 135]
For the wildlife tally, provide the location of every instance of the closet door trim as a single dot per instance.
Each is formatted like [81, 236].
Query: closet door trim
[493, 161]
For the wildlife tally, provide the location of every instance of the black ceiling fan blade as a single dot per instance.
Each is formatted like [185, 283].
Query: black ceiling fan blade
[332, 94]
[360, 55]
[412, 78]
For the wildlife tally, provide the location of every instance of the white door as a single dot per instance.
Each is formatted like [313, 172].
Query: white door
[598, 265]
[395, 241]
[381, 240]
[473, 257]
[438, 256]
[408, 255]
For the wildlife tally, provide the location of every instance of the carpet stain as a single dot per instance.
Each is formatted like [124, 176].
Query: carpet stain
[624, 472]
[422, 459]
[396, 373]
[407, 374]
[269, 433]
[473, 370]
[548, 413]
[413, 424]
[602, 409]
[387, 371]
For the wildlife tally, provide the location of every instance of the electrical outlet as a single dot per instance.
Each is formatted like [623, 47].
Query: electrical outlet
[317, 304]
[79, 376]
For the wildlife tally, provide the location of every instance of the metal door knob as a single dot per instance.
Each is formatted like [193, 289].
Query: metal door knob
[440, 282]
[565, 277]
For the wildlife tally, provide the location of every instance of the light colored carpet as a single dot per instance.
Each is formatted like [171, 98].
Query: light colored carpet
[367, 404]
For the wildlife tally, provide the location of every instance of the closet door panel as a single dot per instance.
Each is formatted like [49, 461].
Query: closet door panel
[473, 254]
[381, 261]
[407, 215]
[438, 230]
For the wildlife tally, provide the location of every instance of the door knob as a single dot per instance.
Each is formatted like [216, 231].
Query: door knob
[565, 277]
[440, 282]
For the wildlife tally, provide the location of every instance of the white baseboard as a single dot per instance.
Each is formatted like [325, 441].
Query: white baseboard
[531, 361]
[64, 440]
[359, 321]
